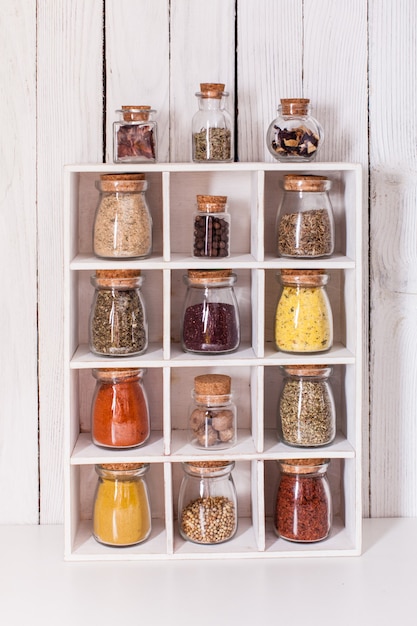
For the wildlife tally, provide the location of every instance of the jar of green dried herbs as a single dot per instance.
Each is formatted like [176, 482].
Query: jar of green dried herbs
[305, 222]
[118, 324]
[306, 409]
[212, 129]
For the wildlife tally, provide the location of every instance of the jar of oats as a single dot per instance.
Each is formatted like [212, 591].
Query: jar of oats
[213, 414]
[122, 224]
[207, 502]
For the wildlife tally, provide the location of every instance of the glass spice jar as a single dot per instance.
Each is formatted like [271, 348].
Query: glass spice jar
[210, 320]
[118, 324]
[305, 222]
[213, 417]
[207, 502]
[135, 135]
[303, 511]
[121, 510]
[303, 318]
[306, 409]
[294, 135]
[122, 223]
[212, 130]
[119, 412]
[211, 227]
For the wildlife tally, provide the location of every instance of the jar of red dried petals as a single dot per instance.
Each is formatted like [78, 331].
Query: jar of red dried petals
[304, 505]
[294, 135]
[135, 135]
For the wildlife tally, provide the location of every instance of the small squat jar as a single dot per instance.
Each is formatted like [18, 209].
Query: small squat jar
[212, 131]
[211, 227]
[303, 511]
[123, 223]
[213, 415]
[121, 512]
[210, 320]
[294, 135]
[118, 324]
[303, 318]
[207, 502]
[306, 409]
[119, 413]
[135, 135]
[305, 222]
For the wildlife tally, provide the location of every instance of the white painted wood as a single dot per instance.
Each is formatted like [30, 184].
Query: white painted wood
[18, 317]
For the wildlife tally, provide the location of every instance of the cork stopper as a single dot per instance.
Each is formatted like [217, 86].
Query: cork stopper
[212, 384]
[295, 106]
[117, 278]
[307, 370]
[308, 278]
[118, 273]
[208, 468]
[122, 182]
[212, 90]
[211, 204]
[212, 276]
[108, 374]
[302, 466]
[294, 182]
[121, 467]
[136, 113]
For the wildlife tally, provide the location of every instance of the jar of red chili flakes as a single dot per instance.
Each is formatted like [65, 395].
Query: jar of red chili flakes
[119, 414]
[304, 506]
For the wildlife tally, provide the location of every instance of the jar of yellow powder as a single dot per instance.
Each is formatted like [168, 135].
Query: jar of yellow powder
[121, 515]
[303, 319]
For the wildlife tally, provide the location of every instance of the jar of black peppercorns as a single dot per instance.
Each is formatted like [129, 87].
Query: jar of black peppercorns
[211, 227]
[294, 135]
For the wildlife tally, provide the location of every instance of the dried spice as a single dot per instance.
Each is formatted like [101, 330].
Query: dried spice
[211, 236]
[135, 138]
[212, 144]
[213, 421]
[306, 411]
[210, 327]
[303, 507]
[299, 141]
[120, 415]
[307, 233]
[209, 520]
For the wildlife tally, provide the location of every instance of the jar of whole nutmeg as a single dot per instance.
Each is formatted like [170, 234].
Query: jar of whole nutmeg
[213, 415]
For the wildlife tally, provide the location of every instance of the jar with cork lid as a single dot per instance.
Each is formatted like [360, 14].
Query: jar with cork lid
[118, 324]
[305, 221]
[306, 408]
[212, 129]
[211, 227]
[295, 135]
[135, 135]
[122, 223]
[303, 318]
[210, 319]
[213, 414]
[303, 511]
[121, 510]
[207, 502]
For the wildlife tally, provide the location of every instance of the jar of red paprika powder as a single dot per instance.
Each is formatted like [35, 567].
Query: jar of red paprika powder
[120, 414]
[304, 506]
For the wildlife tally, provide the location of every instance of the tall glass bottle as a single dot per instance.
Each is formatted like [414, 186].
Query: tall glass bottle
[212, 129]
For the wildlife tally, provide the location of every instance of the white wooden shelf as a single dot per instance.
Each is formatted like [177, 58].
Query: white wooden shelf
[253, 191]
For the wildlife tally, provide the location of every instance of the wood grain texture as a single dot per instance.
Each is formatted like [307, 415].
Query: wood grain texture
[393, 243]
[69, 105]
[18, 324]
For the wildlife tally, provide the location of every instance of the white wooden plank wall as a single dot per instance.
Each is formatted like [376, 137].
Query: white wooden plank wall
[63, 76]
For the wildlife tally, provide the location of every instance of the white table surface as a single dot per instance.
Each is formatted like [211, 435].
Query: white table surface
[376, 589]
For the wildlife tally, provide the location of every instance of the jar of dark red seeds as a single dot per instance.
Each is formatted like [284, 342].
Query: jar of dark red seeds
[303, 510]
[210, 320]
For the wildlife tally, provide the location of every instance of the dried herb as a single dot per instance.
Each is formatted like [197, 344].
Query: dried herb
[210, 327]
[298, 141]
[209, 520]
[212, 144]
[307, 233]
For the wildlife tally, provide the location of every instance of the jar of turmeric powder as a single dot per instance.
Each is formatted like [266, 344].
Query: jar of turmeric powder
[303, 318]
[121, 513]
[119, 413]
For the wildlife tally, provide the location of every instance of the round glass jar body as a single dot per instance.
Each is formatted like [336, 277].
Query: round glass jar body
[306, 410]
[210, 320]
[118, 324]
[212, 129]
[135, 135]
[211, 228]
[213, 413]
[207, 502]
[119, 413]
[121, 512]
[303, 510]
[294, 135]
[122, 224]
[303, 319]
[305, 222]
